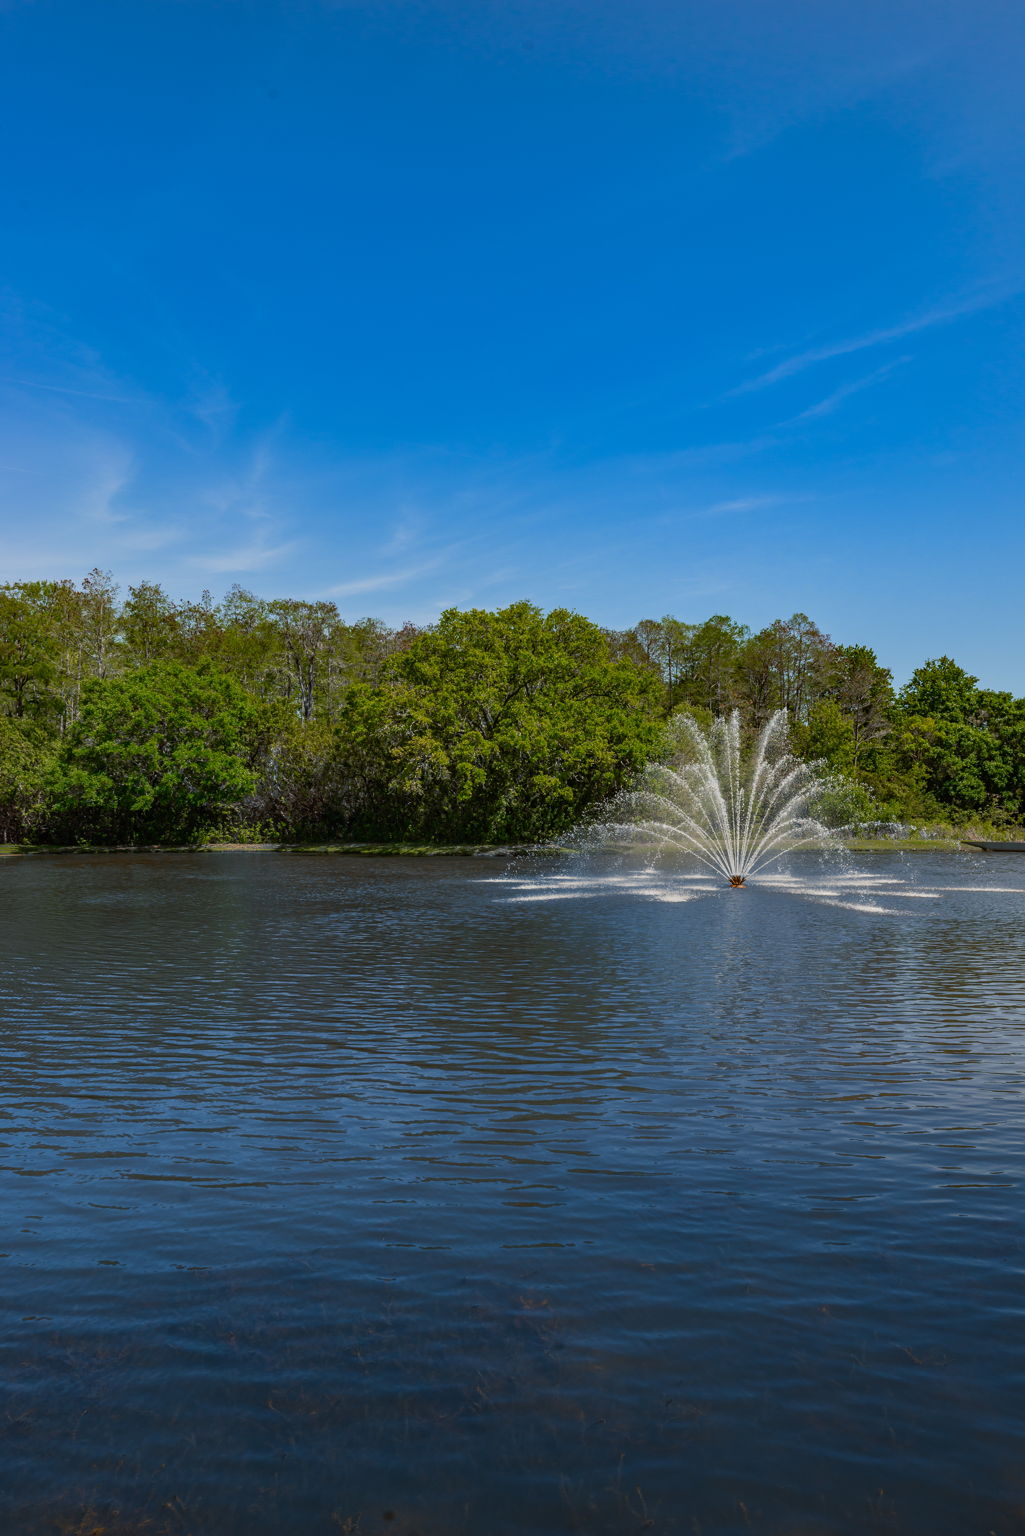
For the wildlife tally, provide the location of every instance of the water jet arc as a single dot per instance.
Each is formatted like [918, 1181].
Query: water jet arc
[734, 804]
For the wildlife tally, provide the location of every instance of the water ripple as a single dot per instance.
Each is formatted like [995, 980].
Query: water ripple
[395, 1193]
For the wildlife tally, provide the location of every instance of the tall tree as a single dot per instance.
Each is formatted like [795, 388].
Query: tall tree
[667, 644]
[714, 651]
[29, 658]
[149, 625]
[863, 691]
[99, 623]
[940, 689]
[307, 632]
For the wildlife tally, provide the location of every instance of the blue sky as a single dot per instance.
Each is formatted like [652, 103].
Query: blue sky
[633, 307]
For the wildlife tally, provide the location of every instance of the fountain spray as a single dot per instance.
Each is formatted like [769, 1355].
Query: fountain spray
[736, 810]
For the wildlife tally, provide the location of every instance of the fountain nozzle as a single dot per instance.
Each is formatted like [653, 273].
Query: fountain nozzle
[736, 881]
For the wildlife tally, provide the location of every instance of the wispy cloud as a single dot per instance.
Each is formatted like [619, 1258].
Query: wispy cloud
[70, 509]
[941, 315]
[383, 580]
[142, 538]
[211, 403]
[741, 504]
[84, 481]
[64, 389]
[254, 556]
[99, 502]
[831, 402]
[407, 531]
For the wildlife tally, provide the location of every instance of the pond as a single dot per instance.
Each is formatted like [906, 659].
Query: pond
[443, 1196]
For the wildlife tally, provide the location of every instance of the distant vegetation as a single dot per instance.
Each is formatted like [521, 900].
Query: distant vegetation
[151, 720]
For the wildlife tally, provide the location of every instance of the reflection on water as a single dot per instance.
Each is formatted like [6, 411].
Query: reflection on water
[421, 1195]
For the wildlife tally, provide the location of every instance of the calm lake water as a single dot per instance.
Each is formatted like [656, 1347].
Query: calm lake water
[450, 1196]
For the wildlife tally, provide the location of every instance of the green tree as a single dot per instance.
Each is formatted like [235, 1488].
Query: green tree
[307, 632]
[942, 754]
[24, 761]
[29, 658]
[863, 690]
[826, 736]
[307, 787]
[941, 690]
[1003, 718]
[495, 726]
[157, 754]
[239, 636]
[99, 624]
[149, 625]
[710, 674]
[757, 676]
[786, 667]
[668, 645]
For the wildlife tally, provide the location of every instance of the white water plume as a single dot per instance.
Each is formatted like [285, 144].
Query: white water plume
[735, 808]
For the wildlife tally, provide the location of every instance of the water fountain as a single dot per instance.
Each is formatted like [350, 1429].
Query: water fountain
[735, 808]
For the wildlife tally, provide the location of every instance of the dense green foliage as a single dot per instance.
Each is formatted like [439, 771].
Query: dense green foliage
[156, 755]
[497, 725]
[942, 749]
[150, 720]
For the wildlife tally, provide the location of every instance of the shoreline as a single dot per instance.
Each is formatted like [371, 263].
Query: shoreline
[428, 850]
[366, 850]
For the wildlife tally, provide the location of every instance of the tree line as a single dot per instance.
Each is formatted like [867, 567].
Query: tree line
[144, 719]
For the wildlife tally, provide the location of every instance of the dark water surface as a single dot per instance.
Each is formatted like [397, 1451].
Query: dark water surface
[442, 1197]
